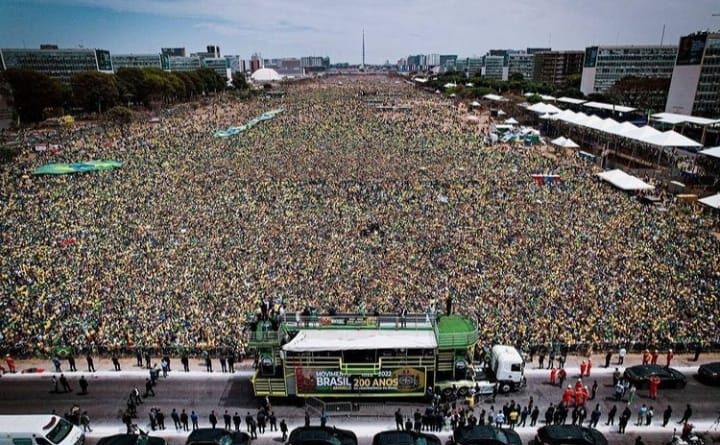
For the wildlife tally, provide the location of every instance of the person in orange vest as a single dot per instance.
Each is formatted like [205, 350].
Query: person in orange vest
[11, 363]
[561, 377]
[567, 396]
[578, 384]
[581, 396]
[669, 358]
[654, 384]
[589, 367]
[553, 376]
[646, 357]
[583, 367]
[654, 357]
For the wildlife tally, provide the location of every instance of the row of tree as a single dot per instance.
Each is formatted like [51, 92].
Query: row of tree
[33, 92]
[639, 92]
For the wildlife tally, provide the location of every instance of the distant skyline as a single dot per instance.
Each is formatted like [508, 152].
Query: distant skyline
[393, 28]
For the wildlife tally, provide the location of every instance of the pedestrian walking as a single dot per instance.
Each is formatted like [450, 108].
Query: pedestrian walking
[85, 422]
[593, 390]
[184, 420]
[223, 363]
[90, 363]
[272, 419]
[83, 385]
[608, 357]
[185, 362]
[65, 384]
[621, 355]
[195, 419]
[666, 415]
[56, 363]
[160, 417]
[669, 357]
[149, 391]
[236, 421]
[649, 416]
[116, 362]
[55, 385]
[71, 363]
[686, 415]
[534, 416]
[283, 429]
[208, 363]
[611, 416]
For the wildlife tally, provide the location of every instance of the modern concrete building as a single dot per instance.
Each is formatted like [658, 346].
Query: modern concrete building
[605, 65]
[136, 61]
[695, 83]
[173, 52]
[495, 67]
[556, 66]
[184, 63]
[220, 66]
[521, 63]
[60, 64]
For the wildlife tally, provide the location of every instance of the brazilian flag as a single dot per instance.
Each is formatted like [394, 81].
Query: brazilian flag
[63, 351]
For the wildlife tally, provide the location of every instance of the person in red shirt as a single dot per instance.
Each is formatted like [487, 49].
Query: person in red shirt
[669, 358]
[654, 384]
[553, 376]
[589, 367]
[583, 368]
[561, 376]
[11, 363]
[646, 357]
[654, 356]
[578, 385]
[581, 396]
[567, 396]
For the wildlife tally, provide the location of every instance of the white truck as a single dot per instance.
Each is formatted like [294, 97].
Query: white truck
[39, 429]
[507, 368]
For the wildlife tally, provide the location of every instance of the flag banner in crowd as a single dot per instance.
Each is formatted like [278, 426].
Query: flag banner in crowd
[546, 179]
[232, 131]
[77, 167]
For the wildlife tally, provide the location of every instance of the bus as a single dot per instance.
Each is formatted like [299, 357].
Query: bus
[357, 355]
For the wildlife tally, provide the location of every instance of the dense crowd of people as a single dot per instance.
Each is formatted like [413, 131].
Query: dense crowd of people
[334, 204]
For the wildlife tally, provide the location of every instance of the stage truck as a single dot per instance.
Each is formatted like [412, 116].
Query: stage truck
[364, 356]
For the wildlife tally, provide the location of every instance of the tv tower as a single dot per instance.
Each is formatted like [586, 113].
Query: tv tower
[362, 67]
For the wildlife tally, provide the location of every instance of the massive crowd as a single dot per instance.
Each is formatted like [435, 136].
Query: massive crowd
[335, 204]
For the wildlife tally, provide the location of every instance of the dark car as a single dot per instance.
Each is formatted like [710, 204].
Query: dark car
[486, 435]
[217, 436]
[393, 437]
[568, 435]
[669, 378]
[131, 439]
[709, 373]
[321, 435]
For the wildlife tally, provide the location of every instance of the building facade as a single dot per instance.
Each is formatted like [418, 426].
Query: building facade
[173, 52]
[184, 63]
[603, 66]
[495, 67]
[60, 64]
[695, 82]
[556, 66]
[521, 63]
[136, 61]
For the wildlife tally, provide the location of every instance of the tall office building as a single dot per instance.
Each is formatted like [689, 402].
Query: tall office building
[60, 64]
[184, 63]
[695, 83]
[495, 67]
[605, 65]
[432, 59]
[256, 62]
[173, 52]
[556, 66]
[521, 63]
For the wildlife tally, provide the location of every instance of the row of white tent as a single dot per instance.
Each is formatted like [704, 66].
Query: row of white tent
[646, 134]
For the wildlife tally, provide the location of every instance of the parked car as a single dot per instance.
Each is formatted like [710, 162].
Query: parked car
[321, 435]
[131, 439]
[669, 378]
[217, 436]
[393, 437]
[709, 373]
[568, 435]
[486, 435]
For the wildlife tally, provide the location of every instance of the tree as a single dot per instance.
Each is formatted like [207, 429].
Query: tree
[239, 81]
[534, 99]
[131, 84]
[93, 90]
[119, 115]
[211, 80]
[33, 92]
[516, 77]
[573, 81]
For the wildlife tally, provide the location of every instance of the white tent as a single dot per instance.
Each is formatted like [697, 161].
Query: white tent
[623, 128]
[641, 133]
[449, 85]
[711, 201]
[494, 97]
[265, 75]
[623, 181]
[475, 104]
[672, 139]
[559, 141]
[593, 122]
[501, 113]
[546, 116]
[542, 108]
[712, 152]
[511, 121]
[569, 143]
[608, 125]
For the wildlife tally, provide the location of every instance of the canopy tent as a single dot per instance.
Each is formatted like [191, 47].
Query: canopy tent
[622, 128]
[420, 79]
[501, 113]
[564, 142]
[607, 125]
[593, 122]
[559, 141]
[672, 139]
[608, 107]
[641, 133]
[494, 97]
[542, 108]
[312, 340]
[674, 119]
[511, 121]
[623, 181]
[475, 103]
[546, 116]
[76, 167]
[711, 201]
[712, 152]
[571, 101]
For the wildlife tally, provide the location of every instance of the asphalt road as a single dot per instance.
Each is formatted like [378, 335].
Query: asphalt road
[204, 392]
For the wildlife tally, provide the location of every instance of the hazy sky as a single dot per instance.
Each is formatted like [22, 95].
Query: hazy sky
[394, 28]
